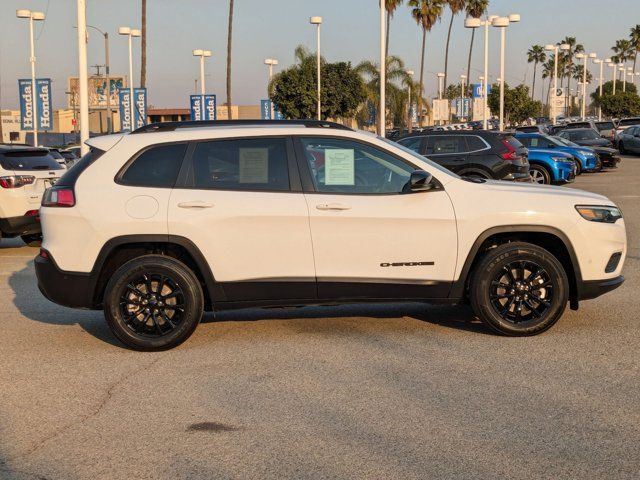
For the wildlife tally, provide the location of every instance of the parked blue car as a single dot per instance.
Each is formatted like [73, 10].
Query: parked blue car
[551, 166]
[588, 159]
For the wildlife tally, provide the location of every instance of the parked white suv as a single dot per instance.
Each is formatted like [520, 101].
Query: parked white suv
[156, 226]
[25, 173]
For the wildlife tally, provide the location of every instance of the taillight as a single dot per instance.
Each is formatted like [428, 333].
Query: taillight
[59, 197]
[511, 153]
[16, 181]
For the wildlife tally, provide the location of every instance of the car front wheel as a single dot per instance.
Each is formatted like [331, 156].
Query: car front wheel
[153, 302]
[519, 289]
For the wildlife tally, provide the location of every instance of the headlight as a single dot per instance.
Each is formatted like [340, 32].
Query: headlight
[561, 159]
[600, 214]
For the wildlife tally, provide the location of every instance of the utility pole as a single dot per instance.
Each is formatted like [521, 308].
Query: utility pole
[83, 79]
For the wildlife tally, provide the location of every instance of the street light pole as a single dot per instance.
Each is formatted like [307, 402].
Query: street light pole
[624, 78]
[130, 33]
[317, 21]
[83, 76]
[107, 76]
[270, 62]
[32, 16]
[383, 71]
[410, 73]
[203, 88]
[599, 61]
[502, 23]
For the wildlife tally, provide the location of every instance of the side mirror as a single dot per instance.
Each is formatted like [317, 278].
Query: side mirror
[420, 181]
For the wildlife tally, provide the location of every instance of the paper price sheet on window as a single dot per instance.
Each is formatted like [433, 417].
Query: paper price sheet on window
[339, 167]
[254, 165]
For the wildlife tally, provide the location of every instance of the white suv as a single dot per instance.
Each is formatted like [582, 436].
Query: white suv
[159, 225]
[25, 173]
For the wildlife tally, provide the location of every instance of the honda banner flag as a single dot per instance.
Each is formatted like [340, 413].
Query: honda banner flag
[42, 99]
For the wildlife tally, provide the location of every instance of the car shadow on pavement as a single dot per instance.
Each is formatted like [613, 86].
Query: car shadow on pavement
[34, 306]
[459, 317]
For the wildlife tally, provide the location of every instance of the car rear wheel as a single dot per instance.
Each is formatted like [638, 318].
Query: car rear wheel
[153, 303]
[539, 174]
[519, 289]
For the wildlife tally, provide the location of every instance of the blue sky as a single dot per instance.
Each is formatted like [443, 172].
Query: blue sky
[273, 28]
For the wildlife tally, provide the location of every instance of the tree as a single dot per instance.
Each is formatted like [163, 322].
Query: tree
[143, 46]
[536, 54]
[635, 43]
[294, 89]
[390, 6]
[622, 104]
[623, 50]
[607, 89]
[518, 106]
[229, 38]
[455, 6]
[475, 9]
[548, 71]
[426, 13]
[397, 83]
[567, 58]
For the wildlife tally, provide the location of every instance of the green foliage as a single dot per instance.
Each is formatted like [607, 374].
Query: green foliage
[518, 105]
[607, 89]
[622, 104]
[294, 89]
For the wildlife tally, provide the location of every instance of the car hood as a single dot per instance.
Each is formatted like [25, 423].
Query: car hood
[516, 188]
[597, 142]
[548, 152]
[610, 151]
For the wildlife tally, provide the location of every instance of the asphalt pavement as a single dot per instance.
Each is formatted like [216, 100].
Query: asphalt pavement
[378, 392]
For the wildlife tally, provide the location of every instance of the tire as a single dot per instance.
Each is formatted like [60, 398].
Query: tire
[497, 289]
[623, 151]
[598, 166]
[144, 315]
[33, 240]
[578, 167]
[539, 174]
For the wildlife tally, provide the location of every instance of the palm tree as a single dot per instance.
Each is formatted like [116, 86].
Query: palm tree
[426, 13]
[143, 46]
[475, 9]
[535, 55]
[548, 68]
[391, 6]
[624, 50]
[229, 37]
[455, 6]
[567, 57]
[635, 42]
[397, 79]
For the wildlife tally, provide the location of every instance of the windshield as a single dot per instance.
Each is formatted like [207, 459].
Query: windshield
[418, 156]
[28, 160]
[55, 154]
[565, 142]
[583, 135]
[628, 121]
[605, 126]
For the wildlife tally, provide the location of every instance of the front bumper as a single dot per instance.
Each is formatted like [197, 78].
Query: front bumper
[70, 289]
[23, 225]
[594, 288]
[565, 172]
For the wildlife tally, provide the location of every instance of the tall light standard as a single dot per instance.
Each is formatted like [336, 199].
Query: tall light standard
[621, 69]
[613, 73]
[440, 76]
[33, 17]
[130, 32]
[476, 23]
[631, 74]
[317, 21]
[599, 61]
[556, 50]
[383, 70]
[203, 89]
[270, 62]
[410, 74]
[502, 23]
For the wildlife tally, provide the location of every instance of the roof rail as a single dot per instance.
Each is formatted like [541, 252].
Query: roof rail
[171, 126]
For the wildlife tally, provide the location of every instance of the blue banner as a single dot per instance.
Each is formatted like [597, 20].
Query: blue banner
[196, 107]
[139, 108]
[477, 90]
[210, 107]
[125, 111]
[277, 114]
[42, 97]
[265, 109]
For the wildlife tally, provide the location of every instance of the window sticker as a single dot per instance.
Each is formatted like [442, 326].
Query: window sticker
[534, 142]
[254, 165]
[339, 167]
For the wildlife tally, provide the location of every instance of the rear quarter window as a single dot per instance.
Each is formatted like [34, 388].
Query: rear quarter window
[156, 167]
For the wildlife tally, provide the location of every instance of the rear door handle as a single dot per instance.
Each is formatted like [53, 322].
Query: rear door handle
[332, 206]
[195, 204]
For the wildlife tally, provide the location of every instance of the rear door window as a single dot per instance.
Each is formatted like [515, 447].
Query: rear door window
[155, 167]
[446, 144]
[28, 160]
[412, 143]
[244, 164]
[475, 143]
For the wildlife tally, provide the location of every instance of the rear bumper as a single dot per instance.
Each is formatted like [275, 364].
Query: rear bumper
[594, 288]
[23, 225]
[70, 289]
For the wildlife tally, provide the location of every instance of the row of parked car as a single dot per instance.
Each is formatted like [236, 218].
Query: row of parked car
[520, 155]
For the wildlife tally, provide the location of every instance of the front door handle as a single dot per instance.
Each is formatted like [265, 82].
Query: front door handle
[195, 204]
[332, 206]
